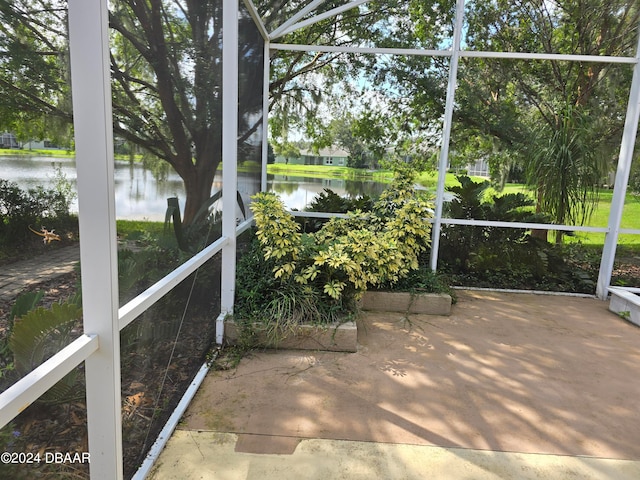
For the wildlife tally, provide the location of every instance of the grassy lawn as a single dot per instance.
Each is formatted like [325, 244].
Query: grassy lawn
[600, 217]
[426, 179]
[53, 153]
[45, 152]
[135, 229]
[430, 180]
[326, 171]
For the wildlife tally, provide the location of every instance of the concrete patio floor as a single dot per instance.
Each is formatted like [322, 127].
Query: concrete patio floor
[509, 386]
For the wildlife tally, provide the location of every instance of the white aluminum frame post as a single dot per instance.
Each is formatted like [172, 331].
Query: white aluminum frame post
[92, 115]
[266, 71]
[229, 158]
[623, 171]
[446, 133]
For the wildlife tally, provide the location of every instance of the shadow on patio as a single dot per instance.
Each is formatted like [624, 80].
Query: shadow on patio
[520, 373]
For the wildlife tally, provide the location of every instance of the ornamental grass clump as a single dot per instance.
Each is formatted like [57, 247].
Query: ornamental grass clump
[336, 265]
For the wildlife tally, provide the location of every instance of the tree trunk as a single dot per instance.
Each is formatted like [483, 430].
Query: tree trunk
[198, 190]
[198, 179]
[542, 234]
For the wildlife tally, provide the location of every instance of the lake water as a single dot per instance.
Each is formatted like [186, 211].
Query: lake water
[139, 196]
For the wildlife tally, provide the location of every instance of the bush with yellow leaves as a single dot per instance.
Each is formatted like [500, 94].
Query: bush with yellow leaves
[347, 255]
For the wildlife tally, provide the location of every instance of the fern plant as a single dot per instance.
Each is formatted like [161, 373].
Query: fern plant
[480, 248]
[329, 201]
[23, 304]
[37, 336]
[502, 257]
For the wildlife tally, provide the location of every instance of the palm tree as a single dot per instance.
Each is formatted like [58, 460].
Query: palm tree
[565, 167]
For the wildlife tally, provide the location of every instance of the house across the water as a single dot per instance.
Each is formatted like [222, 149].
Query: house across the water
[325, 156]
[8, 140]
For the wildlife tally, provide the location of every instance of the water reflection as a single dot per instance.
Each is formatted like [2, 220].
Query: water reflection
[298, 192]
[29, 172]
[139, 196]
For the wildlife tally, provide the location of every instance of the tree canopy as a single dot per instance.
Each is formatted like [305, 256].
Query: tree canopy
[166, 77]
[166, 74]
[558, 121]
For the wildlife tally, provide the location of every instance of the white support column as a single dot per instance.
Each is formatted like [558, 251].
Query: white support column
[92, 115]
[280, 32]
[295, 17]
[229, 154]
[257, 19]
[446, 133]
[265, 114]
[621, 181]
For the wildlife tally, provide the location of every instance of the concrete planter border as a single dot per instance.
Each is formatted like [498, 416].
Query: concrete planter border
[404, 302]
[343, 337]
[626, 303]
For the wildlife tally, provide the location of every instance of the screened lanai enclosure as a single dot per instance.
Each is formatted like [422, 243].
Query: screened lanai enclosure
[196, 84]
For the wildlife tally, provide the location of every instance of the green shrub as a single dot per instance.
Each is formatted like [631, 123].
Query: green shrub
[330, 202]
[276, 303]
[504, 257]
[422, 280]
[477, 248]
[335, 265]
[36, 207]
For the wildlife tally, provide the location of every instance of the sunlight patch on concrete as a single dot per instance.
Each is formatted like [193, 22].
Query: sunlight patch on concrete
[213, 456]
